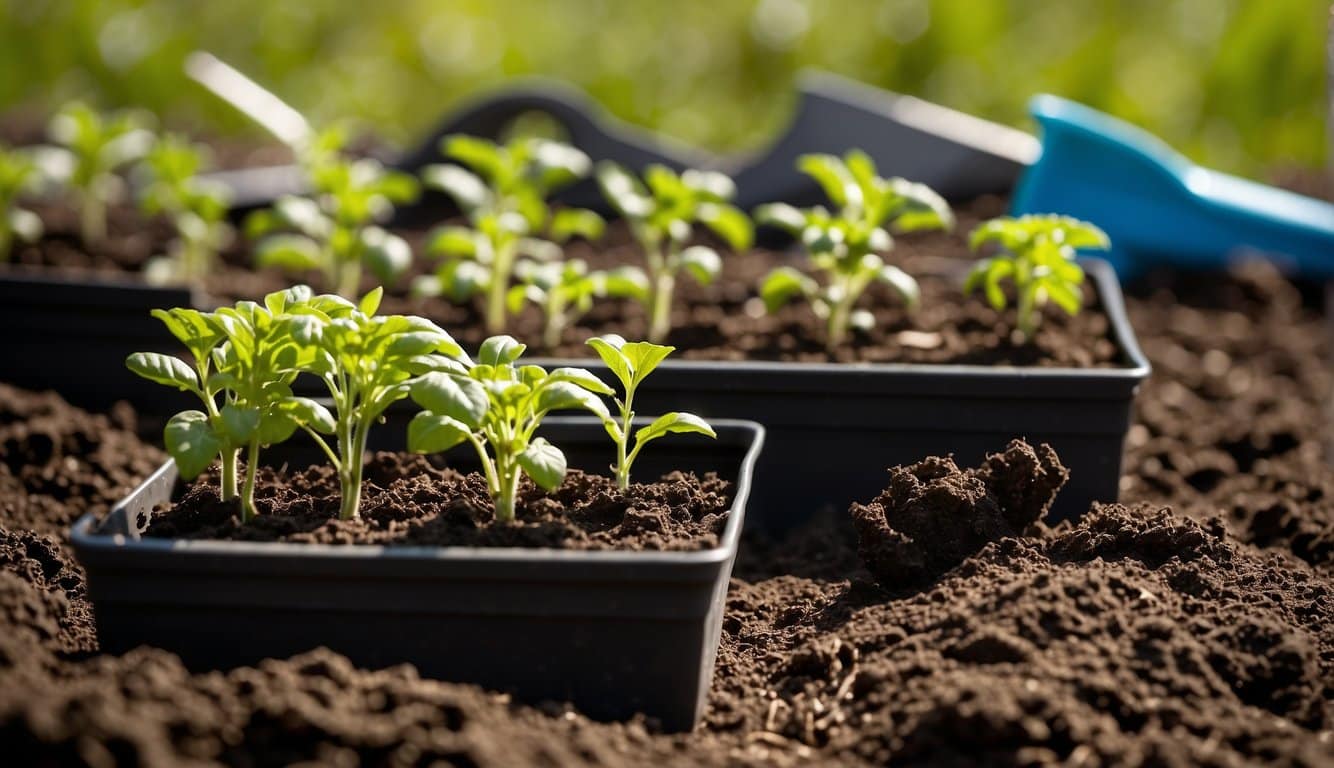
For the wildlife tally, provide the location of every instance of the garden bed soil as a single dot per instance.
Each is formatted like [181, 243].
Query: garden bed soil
[1191, 626]
[410, 500]
[723, 321]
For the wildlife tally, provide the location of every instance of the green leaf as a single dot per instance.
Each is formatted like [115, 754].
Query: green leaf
[461, 280]
[461, 399]
[191, 441]
[275, 427]
[918, 207]
[710, 185]
[783, 216]
[861, 320]
[290, 252]
[563, 395]
[544, 463]
[310, 413]
[386, 255]
[729, 223]
[163, 369]
[583, 378]
[702, 262]
[833, 177]
[902, 283]
[1065, 296]
[625, 192]
[192, 328]
[644, 357]
[468, 191]
[576, 222]
[675, 421]
[278, 302]
[238, 424]
[483, 156]
[608, 348]
[784, 284]
[371, 301]
[450, 240]
[433, 433]
[302, 214]
[500, 350]
[626, 282]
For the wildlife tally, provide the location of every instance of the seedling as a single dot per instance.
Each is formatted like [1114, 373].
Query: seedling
[504, 197]
[662, 216]
[564, 291]
[333, 231]
[631, 363]
[367, 362]
[90, 149]
[497, 406]
[196, 208]
[845, 246]
[246, 356]
[18, 175]
[1037, 254]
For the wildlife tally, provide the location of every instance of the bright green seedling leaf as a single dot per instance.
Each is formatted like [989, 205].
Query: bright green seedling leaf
[503, 192]
[170, 186]
[662, 211]
[89, 149]
[846, 247]
[19, 177]
[631, 362]
[245, 359]
[563, 291]
[1036, 253]
[497, 405]
[334, 230]
[368, 362]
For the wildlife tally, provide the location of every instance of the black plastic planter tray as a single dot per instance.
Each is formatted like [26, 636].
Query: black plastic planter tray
[833, 429]
[615, 633]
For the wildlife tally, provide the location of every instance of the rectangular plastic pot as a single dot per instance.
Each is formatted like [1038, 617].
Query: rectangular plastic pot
[833, 429]
[73, 336]
[615, 633]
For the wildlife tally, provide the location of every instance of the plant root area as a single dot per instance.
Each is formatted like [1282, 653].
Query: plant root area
[940, 623]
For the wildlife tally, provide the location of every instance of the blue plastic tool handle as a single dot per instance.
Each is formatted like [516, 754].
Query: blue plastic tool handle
[1158, 207]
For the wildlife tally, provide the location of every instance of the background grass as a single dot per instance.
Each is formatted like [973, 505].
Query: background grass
[1237, 84]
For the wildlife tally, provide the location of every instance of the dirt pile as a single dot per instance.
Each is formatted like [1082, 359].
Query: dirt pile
[933, 515]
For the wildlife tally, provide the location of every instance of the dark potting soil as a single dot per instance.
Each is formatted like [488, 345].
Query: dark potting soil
[1191, 625]
[723, 321]
[409, 501]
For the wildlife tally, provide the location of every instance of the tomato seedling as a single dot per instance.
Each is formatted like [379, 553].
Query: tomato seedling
[504, 197]
[496, 406]
[662, 211]
[245, 356]
[846, 245]
[170, 186]
[1037, 254]
[631, 362]
[334, 230]
[90, 149]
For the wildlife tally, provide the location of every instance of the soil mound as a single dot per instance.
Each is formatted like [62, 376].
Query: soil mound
[933, 514]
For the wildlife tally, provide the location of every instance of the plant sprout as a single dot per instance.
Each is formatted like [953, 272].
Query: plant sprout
[504, 197]
[333, 231]
[367, 362]
[631, 362]
[90, 149]
[846, 245]
[197, 209]
[564, 291]
[1037, 254]
[246, 355]
[661, 216]
[497, 406]
[19, 175]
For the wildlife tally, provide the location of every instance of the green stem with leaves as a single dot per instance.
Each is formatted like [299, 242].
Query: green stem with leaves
[248, 511]
[92, 217]
[501, 267]
[661, 287]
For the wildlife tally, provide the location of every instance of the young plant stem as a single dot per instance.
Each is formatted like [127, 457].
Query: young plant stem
[348, 276]
[92, 218]
[555, 326]
[509, 491]
[248, 511]
[501, 267]
[352, 446]
[660, 297]
[622, 464]
[227, 483]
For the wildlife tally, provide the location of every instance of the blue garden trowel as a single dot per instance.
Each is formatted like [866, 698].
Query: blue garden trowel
[1158, 207]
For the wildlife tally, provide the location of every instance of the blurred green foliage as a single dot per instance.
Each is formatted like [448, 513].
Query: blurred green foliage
[1237, 84]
